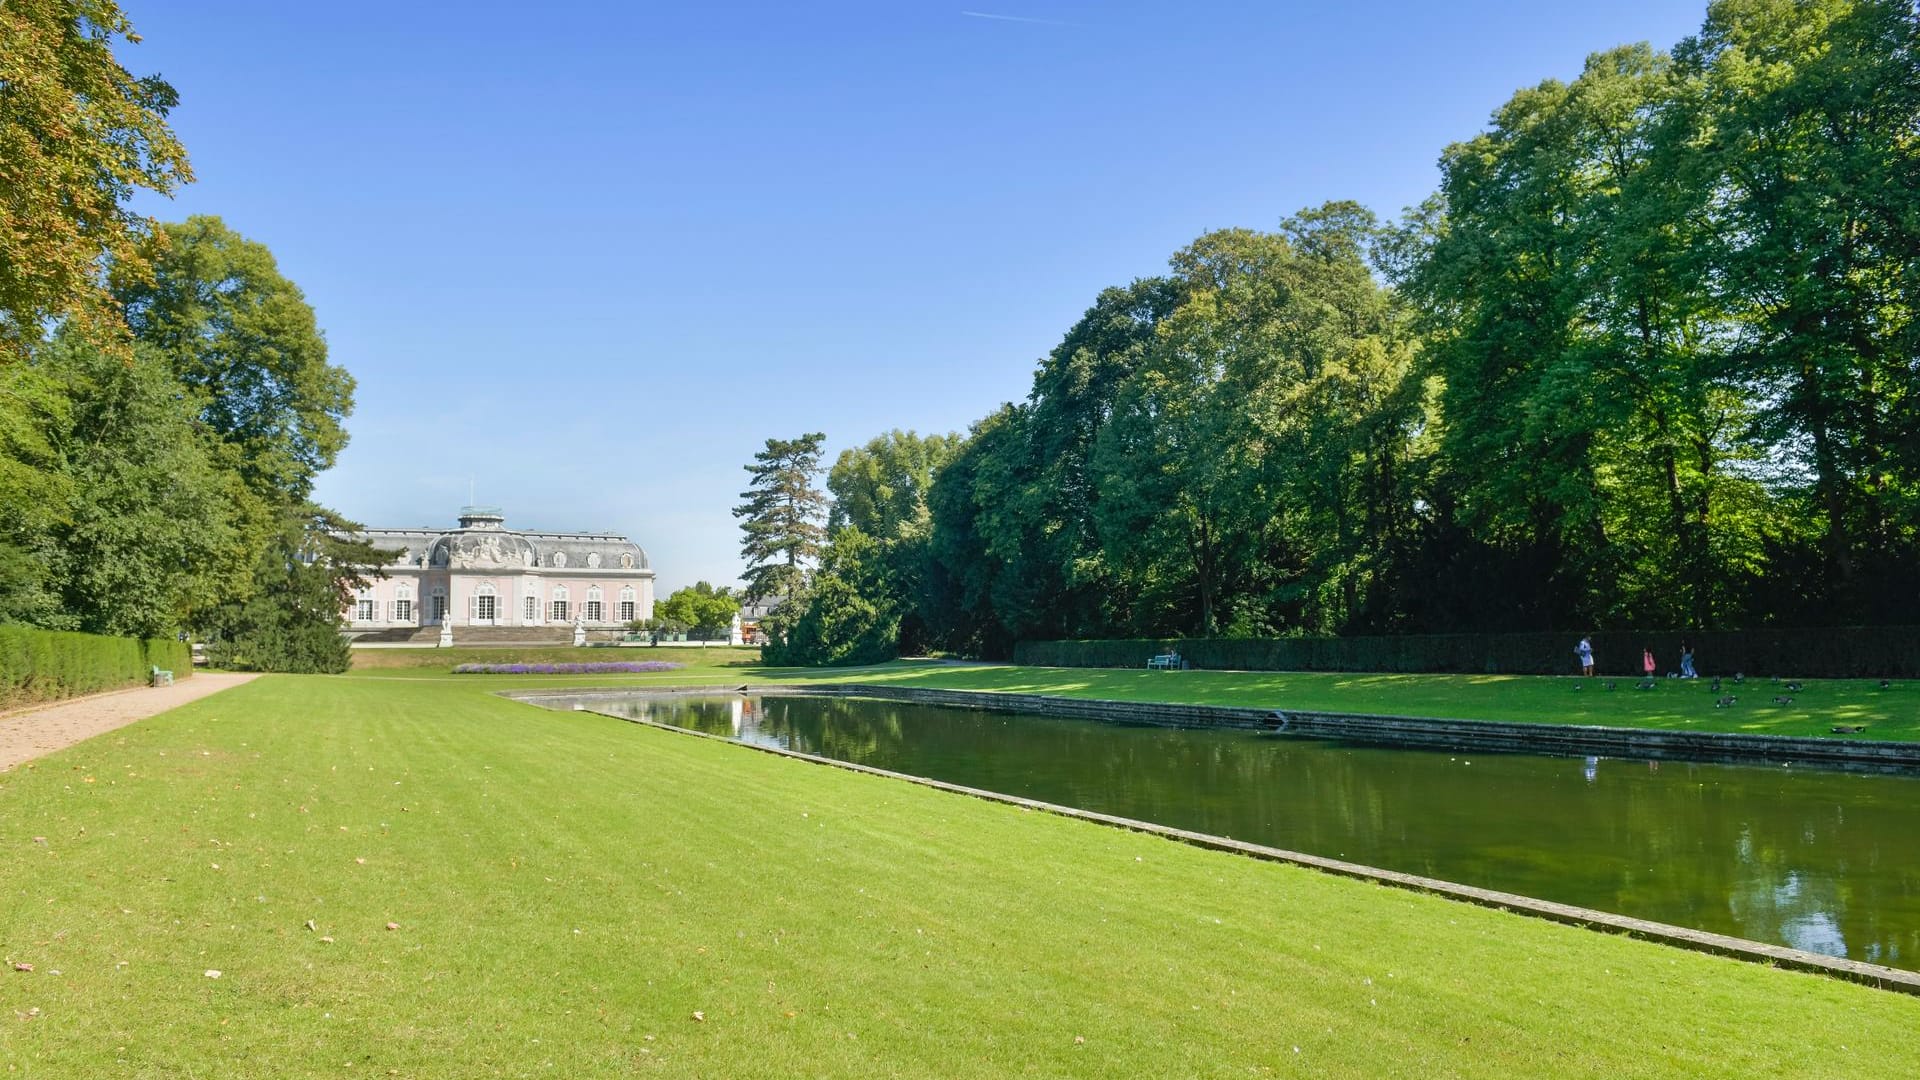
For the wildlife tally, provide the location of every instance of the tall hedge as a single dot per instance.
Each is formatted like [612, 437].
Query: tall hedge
[1849, 652]
[46, 665]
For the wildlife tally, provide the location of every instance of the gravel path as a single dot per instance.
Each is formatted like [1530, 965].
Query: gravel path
[28, 735]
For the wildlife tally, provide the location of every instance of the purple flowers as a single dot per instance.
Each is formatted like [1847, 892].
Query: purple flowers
[612, 668]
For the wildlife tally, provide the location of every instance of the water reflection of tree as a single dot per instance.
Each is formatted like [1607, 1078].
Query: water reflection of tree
[1811, 859]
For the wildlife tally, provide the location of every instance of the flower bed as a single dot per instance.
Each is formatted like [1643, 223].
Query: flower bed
[610, 668]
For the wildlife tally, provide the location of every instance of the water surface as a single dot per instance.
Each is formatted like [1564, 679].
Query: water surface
[1819, 860]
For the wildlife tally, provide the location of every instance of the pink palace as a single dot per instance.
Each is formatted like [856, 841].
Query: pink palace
[484, 574]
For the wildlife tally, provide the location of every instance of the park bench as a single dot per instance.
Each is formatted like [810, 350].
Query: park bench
[160, 676]
[1165, 662]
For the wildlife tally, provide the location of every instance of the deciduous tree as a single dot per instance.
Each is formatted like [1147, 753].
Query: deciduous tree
[245, 342]
[79, 135]
[701, 607]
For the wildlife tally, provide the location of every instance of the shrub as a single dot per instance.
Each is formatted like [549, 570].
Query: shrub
[47, 665]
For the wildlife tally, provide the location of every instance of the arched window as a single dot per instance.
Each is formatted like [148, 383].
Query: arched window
[559, 558]
[557, 610]
[626, 562]
[595, 609]
[485, 604]
[629, 610]
[593, 560]
[402, 603]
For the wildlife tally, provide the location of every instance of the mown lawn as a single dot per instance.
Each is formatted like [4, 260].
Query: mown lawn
[575, 896]
[1818, 707]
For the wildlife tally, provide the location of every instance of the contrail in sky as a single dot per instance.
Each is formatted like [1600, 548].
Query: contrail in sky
[1013, 18]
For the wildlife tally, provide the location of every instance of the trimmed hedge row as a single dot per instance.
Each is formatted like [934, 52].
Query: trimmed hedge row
[1848, 652]
[47, 665]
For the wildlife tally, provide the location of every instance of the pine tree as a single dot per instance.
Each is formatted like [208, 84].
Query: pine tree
[782, 518]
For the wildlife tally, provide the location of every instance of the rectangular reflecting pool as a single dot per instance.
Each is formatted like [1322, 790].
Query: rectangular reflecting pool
[1814, 859]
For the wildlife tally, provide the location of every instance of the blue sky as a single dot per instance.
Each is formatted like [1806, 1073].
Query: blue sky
[590, 258]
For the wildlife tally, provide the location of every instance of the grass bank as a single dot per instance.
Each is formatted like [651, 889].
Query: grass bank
[1821, 704]
[1677, 704]
[581, 897]
[408, 660]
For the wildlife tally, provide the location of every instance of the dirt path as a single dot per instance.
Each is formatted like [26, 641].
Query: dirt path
[28, 735]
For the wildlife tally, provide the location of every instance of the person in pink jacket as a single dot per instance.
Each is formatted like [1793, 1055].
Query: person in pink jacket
[1646, 661]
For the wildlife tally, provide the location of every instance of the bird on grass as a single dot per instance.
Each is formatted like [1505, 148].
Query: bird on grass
[1794, 688]
[1645, 684]
[1779, 699]
[1716, 684]
[1725, 702]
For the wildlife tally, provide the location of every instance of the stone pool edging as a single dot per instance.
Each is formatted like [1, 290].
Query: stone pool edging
[1874, 975]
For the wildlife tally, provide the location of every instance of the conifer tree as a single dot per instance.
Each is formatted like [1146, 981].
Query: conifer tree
[782, 518]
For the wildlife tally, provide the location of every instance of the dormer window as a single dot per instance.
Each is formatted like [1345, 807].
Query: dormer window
[593, 560]
[626, 562]
[559, 558]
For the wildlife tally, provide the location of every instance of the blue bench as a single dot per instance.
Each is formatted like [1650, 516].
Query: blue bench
[1164, 662]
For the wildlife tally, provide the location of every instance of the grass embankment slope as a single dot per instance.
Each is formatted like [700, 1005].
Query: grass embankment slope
[570, 891]
[1688, 704]
[1821, 704]
[409, 661]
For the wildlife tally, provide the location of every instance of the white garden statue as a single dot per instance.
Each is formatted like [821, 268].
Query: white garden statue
[579, 631]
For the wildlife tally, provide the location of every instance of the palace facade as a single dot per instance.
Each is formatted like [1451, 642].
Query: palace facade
[485, 574]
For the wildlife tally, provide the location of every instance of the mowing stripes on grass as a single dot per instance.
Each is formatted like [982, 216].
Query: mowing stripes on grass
[567, 885]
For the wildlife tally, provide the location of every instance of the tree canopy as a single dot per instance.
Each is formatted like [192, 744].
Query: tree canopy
[700, 607]
[1647, 358]
[79, 135]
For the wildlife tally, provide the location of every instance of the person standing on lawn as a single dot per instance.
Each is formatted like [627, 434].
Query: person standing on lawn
[1584, 651]
[1686, 661]
[1646, 661]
